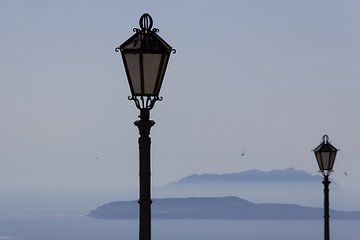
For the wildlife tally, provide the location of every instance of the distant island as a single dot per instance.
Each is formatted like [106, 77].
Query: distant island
[216, 208]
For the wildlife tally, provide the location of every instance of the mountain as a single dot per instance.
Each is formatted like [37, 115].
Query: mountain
[251, 176]
[216, 208]
[281, 186]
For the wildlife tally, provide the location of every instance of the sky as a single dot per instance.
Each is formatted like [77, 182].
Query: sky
[265, 77]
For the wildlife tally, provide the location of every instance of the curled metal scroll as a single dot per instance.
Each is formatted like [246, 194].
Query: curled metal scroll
[145, 102]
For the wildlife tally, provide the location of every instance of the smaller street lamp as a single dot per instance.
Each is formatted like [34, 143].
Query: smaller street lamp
[325, 155]
[145, 56]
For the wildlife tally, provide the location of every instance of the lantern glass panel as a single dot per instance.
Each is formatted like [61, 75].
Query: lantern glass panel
[325, 157]
[133, 66]
[151, 65]
[162, 71]
[332, 159]
[318, 159]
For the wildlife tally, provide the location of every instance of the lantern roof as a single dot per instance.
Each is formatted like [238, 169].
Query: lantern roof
[145, 39]
[325, 146]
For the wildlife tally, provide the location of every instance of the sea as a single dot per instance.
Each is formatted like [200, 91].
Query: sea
[80, 227]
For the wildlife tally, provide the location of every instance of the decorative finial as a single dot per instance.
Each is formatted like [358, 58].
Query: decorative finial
[146, 22]
[325, 138]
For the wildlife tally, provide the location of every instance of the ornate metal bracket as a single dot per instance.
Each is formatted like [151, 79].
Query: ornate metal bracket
[145, 102]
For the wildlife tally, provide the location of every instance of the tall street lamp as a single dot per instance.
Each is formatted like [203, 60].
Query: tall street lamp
[325, 155]
[145, 56]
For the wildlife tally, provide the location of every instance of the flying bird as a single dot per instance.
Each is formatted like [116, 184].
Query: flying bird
[243, 153]
[345, 173]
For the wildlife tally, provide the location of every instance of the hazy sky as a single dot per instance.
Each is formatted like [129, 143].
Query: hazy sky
[265, 77]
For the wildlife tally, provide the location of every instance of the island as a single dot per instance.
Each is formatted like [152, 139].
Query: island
[216, 208]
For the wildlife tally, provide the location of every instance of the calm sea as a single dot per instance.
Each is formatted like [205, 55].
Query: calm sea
[80, 227]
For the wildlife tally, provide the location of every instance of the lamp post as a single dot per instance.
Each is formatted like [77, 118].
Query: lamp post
[145, 56]
[325, 155]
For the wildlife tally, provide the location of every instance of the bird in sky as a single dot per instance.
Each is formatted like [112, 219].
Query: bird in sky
[243, 153]
[345, 173]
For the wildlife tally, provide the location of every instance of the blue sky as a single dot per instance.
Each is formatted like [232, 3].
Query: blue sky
[265, 77]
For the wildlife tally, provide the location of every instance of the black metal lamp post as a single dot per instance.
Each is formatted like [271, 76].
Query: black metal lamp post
[145, 56]
[325, 155]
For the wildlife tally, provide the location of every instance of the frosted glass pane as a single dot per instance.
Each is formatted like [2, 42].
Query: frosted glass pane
[325, 156]
[318, 159]
[151, 70]
[332, 159]
[133, 66]
[162, 72]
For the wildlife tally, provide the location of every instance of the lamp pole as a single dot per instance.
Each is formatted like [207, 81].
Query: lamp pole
[325, 155]
[145, 56]
[326, 183]
[144, 125]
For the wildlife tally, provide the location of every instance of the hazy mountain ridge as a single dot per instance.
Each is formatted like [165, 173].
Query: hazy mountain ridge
[286, 175]
[216, 208]
[280, 186]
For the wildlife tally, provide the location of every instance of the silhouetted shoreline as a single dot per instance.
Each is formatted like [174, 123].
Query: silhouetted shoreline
[216, 208]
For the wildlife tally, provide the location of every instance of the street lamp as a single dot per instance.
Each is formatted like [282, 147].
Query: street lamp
[325, 155]
[145, 56]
